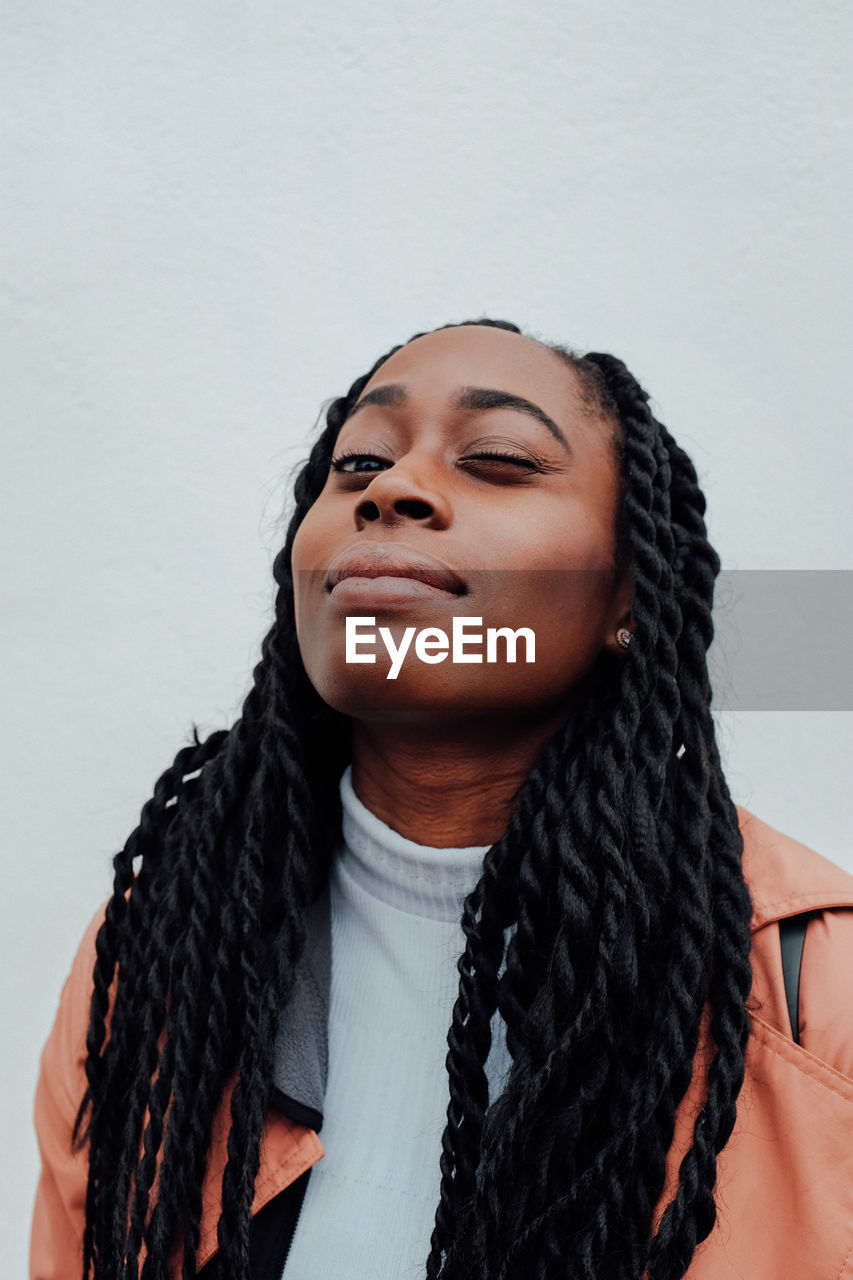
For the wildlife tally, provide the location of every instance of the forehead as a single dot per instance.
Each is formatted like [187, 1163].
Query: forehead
[437, 364]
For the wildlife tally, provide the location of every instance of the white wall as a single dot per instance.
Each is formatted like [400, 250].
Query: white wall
[218, 214]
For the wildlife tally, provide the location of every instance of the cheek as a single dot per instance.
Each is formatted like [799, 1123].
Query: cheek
[556, 536]
[567, 610]
[308, 536]
[310, 558]
[300, 558]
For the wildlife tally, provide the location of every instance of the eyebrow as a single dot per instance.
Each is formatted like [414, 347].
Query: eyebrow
[395, 396]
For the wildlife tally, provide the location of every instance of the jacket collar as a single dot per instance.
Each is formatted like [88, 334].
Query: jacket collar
[786, 876]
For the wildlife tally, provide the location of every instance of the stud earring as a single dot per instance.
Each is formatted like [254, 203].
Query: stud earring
[623, 637]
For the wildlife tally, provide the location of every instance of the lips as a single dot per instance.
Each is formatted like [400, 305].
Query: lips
[391, 560]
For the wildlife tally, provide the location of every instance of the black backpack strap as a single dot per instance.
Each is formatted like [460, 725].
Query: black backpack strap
[792, 936]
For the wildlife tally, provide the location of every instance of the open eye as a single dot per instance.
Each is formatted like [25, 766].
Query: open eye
[345, 463]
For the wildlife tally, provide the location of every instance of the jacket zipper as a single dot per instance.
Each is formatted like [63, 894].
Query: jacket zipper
[278, 1263]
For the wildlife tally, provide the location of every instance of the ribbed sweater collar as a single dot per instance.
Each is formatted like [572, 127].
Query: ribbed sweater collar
[415, 878]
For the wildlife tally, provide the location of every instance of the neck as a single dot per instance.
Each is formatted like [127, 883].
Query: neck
[447, 792]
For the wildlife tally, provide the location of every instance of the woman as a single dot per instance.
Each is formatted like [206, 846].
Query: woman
[278, 953]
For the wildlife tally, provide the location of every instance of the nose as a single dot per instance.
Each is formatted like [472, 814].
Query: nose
[405, 491]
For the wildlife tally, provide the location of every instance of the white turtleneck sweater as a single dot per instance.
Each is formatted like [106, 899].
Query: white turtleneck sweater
[396, 906]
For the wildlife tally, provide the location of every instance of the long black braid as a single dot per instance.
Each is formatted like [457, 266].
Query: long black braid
[609, 916]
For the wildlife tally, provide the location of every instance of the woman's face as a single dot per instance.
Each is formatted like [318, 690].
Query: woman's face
[447, 498]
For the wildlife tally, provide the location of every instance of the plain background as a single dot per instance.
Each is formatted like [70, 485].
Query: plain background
[219, 214]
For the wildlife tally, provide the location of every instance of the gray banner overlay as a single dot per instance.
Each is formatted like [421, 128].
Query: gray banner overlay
[782, 637]
[782, 640]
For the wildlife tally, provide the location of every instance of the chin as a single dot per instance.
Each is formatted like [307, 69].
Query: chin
[373, 696]
[423, 700]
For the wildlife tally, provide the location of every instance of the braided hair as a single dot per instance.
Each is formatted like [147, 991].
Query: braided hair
[609, 918]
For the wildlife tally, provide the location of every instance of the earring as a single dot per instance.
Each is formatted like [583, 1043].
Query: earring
[623, 637]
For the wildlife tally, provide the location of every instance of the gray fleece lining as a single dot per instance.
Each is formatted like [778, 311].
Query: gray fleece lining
[302, 1044]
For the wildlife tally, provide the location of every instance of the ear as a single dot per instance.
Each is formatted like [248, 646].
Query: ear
[620, 612]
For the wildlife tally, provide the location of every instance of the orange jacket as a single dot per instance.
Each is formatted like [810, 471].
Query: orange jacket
[785, 1178]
